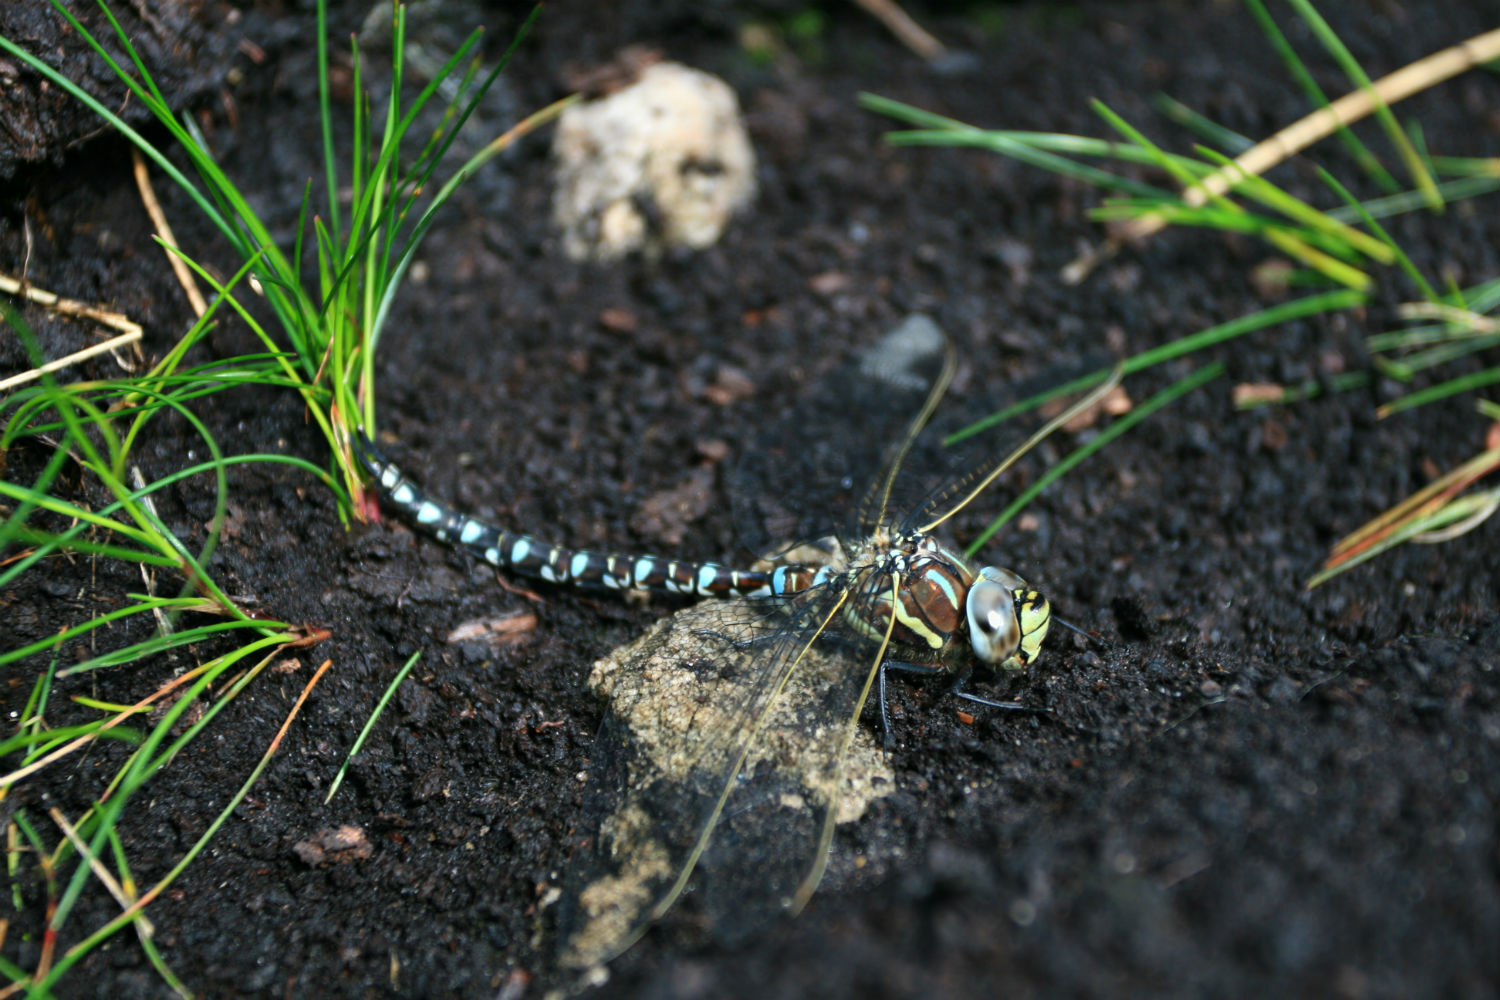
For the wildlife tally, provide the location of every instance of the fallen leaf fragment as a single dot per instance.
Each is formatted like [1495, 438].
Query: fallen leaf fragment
[334, 846]
[507, 629]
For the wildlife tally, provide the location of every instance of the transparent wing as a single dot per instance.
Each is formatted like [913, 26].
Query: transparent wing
[810, 475]
[725, 749]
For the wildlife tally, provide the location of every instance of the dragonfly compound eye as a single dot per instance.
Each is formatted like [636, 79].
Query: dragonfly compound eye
[1007, 619]
[994, 630]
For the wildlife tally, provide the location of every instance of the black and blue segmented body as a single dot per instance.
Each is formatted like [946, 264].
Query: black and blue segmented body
[527, 556]
[891, 580]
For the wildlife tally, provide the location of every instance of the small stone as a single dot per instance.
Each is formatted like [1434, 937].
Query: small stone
[664, 162]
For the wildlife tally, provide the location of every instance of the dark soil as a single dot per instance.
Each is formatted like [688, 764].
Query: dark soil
[1256, 791]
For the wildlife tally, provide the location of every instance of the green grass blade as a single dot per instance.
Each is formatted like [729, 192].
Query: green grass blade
[1172, 165]
[325, 117]
[153, 954]
[419, 231]
[1282, 313]
[33, 715]
[118, 614]
[1176, 390]
[359, 741]
[1206, 129]
[1452, 387]
[1325, 264]
[1449, 514]
[1460, 189]
[85, 946]
[12, 571]
[1420, 361]
[1032, 154]
[1316, 220]
[12, 526]
[38, 743]
[1397, 254]
[180, 639]
[1367, 161]
[1310, 389]
[143, 765]
[1356, 74]
[46, 502]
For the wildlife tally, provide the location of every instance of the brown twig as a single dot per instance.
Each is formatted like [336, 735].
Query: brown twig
[71, 359]
[67, 307]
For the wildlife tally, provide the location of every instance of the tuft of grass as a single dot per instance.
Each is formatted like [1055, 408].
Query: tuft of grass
[1219, 185]
[92, 427]
[326, 334]
[90, 501]
[1438, 512]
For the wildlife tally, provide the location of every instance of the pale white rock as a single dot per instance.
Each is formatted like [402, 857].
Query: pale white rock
[673, 144]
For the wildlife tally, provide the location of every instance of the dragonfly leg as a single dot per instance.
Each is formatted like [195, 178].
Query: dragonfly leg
[885, 720]
[926, 669]
[1013, 706]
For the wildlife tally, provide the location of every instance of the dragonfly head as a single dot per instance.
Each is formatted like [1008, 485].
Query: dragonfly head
[1007, 619]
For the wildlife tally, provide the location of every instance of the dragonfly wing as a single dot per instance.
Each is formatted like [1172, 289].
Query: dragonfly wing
[721, 751]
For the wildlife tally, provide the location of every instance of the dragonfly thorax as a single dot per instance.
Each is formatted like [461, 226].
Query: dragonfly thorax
[946, 613]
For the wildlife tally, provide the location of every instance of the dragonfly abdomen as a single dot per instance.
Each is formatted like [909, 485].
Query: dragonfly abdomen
[525, 555]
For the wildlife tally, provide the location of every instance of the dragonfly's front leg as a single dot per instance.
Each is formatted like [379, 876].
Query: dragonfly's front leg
[928, 669]
[925, 669]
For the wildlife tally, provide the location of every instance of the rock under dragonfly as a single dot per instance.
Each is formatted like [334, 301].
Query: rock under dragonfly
[701, 671]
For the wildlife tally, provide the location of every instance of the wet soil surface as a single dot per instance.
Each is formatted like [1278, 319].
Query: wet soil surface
[1254, 790]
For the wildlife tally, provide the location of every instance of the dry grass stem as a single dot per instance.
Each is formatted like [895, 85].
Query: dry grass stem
[164, 230]
[908, 32]
[68, 307]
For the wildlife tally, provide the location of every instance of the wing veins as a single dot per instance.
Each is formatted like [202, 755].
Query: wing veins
[809, 883]
[747, 740]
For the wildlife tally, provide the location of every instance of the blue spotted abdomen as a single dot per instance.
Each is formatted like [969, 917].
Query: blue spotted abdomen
[527, 556]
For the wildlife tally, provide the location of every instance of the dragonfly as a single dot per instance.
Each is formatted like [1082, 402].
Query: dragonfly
[731, 743]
